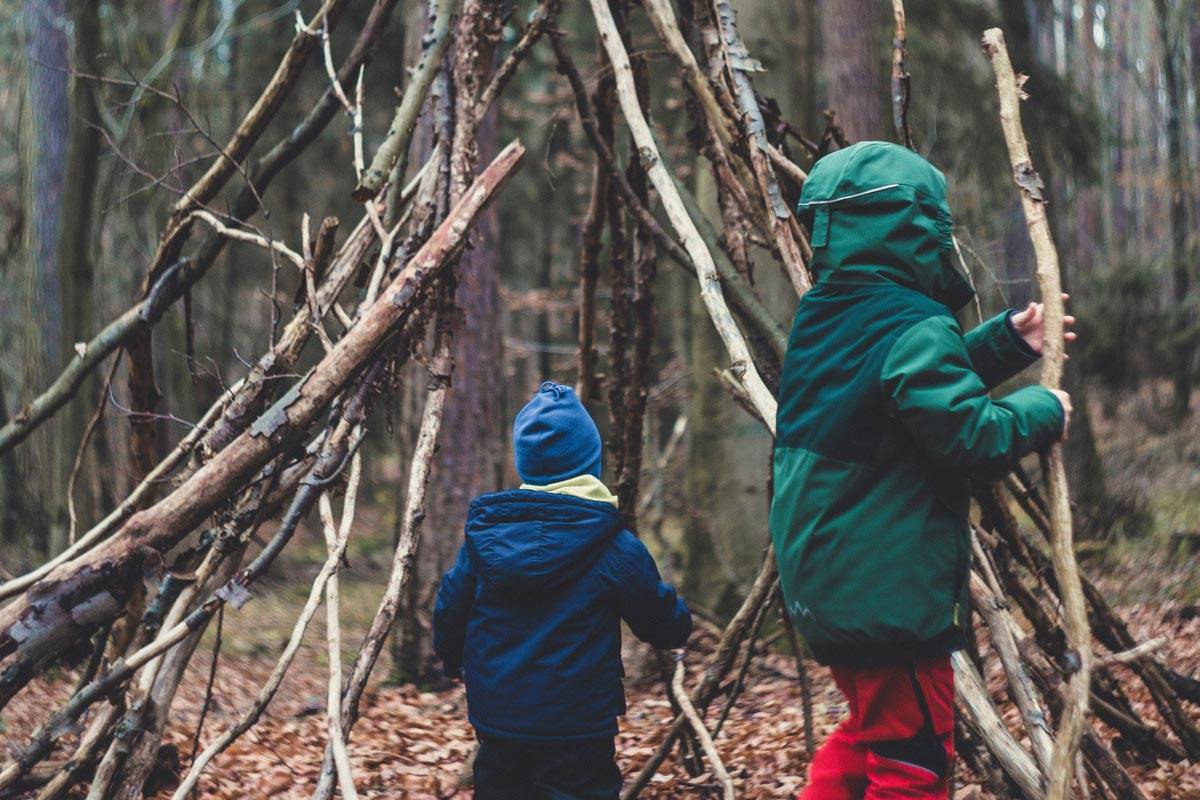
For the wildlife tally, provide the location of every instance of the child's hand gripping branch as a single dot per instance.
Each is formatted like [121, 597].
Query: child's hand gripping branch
[1030, 325]
[885, 417]
[529, 616]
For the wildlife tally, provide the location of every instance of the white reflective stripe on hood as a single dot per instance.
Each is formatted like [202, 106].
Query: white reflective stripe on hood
[849, 196]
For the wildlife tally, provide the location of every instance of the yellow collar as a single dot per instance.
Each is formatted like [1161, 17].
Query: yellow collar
[589, 487]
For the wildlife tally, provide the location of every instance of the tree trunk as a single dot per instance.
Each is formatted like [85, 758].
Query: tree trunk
[709, 417]
[47, 49]
[1177, 181]
[470, 452]
[853, 66]
[75, 239]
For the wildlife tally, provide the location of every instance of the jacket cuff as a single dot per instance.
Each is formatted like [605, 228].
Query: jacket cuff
[1045, 414]
[997, 351]
[1017, 340]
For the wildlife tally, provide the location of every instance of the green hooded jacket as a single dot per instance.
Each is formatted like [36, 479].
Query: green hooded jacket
[884, 416]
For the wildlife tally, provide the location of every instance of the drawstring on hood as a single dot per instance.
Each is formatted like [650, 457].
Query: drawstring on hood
[877, 212]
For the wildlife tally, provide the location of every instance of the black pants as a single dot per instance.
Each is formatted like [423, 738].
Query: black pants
[507, 770]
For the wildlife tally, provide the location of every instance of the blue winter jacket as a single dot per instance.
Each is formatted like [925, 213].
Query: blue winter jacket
[529, 615]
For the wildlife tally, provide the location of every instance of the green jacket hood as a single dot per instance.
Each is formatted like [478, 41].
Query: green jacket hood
[877, 213]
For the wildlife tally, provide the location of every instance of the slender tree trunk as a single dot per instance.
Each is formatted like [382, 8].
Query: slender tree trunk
[853, 65]
[75, 239]
[469, 458]
[1177, 181]
[47, 49]
[709, 416]
[471, 446]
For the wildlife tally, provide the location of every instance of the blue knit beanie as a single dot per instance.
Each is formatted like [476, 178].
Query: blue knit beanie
[554, 437]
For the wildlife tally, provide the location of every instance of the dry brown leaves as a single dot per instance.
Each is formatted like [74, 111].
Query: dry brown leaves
[412, 744]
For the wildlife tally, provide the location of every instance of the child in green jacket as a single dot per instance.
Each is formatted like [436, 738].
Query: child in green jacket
[884, 417]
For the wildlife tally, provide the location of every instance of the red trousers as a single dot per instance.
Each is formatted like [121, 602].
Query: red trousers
[898, 741]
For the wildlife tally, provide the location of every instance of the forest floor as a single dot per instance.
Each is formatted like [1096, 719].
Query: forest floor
[413, 744]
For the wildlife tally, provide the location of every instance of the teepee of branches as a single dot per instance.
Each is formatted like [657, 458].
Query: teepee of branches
[132, 596]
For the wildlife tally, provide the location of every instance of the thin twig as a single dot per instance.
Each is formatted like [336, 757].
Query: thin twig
[93, 423]
[333, 706]
[251, 238]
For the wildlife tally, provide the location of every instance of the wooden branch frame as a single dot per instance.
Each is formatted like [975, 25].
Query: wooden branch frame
[693, 243]
[40, 624]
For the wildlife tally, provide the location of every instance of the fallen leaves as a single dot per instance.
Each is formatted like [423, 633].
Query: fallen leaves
[414, 744]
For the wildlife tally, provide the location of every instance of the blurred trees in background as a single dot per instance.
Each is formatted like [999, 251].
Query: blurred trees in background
[107, 113]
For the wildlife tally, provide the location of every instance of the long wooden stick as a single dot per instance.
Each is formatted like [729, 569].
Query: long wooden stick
[1066, 570]
[334, 539]
[706, 740]
[706, 269]
[901, 80]
[1020, 686]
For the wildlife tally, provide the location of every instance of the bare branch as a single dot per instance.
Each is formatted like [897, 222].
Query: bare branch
[706, 741]
[1066, 569]
[433, 47]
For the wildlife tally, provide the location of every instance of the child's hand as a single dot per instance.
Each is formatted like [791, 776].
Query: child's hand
[1065, 400]
[1030, 325]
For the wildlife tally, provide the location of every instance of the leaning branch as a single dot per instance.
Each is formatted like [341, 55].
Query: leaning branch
[706, 740]
[142, 316]
[717, 668]
[750, 309]
[1018, 764]
[263, 110]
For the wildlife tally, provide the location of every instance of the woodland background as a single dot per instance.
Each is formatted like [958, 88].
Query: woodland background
[109, 110]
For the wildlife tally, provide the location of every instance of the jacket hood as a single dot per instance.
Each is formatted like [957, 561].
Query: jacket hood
[877, 212]
[528, 542]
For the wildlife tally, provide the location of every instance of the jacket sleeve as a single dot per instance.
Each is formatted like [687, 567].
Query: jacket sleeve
[943, 403]
[450, 614]
[997, 351]
[655, 613]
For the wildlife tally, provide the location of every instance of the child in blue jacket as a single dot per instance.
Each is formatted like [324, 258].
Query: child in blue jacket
[529, 615]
